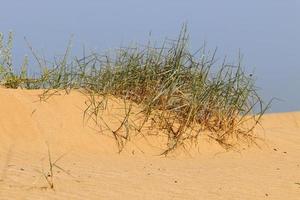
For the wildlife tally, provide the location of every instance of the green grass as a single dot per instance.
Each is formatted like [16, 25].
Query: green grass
[187, 93]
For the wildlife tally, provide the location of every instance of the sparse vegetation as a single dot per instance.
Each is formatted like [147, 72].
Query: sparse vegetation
[183, 92]
[49, 175]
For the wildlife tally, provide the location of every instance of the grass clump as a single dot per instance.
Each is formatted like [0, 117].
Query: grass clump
[185, 93]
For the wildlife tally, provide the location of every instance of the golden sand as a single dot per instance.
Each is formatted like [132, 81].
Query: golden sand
[86, 165]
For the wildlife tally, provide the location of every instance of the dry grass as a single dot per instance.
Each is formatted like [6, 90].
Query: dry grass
[182, 92]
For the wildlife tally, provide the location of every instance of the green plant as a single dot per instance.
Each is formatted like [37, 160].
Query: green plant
[185, 93]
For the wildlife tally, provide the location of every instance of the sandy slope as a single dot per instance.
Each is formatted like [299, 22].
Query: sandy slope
[89, 168]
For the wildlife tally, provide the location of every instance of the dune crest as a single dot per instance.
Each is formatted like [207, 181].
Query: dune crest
[87, 165]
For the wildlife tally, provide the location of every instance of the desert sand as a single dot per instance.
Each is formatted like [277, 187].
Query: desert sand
[87, 165]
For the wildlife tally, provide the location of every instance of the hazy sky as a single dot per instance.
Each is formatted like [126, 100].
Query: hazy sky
[266, 31]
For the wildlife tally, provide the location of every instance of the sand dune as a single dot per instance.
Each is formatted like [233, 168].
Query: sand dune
[88, 167]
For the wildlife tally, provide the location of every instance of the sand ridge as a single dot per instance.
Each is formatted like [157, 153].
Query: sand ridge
[90, 168]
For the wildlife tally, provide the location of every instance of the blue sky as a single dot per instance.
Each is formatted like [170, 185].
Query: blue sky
[267, 32]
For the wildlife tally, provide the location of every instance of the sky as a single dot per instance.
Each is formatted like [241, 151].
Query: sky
[266, 32]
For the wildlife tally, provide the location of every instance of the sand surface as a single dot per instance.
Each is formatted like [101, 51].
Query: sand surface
[88, 167]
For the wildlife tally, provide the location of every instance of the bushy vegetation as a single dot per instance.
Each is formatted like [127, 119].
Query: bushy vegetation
[185, 93]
